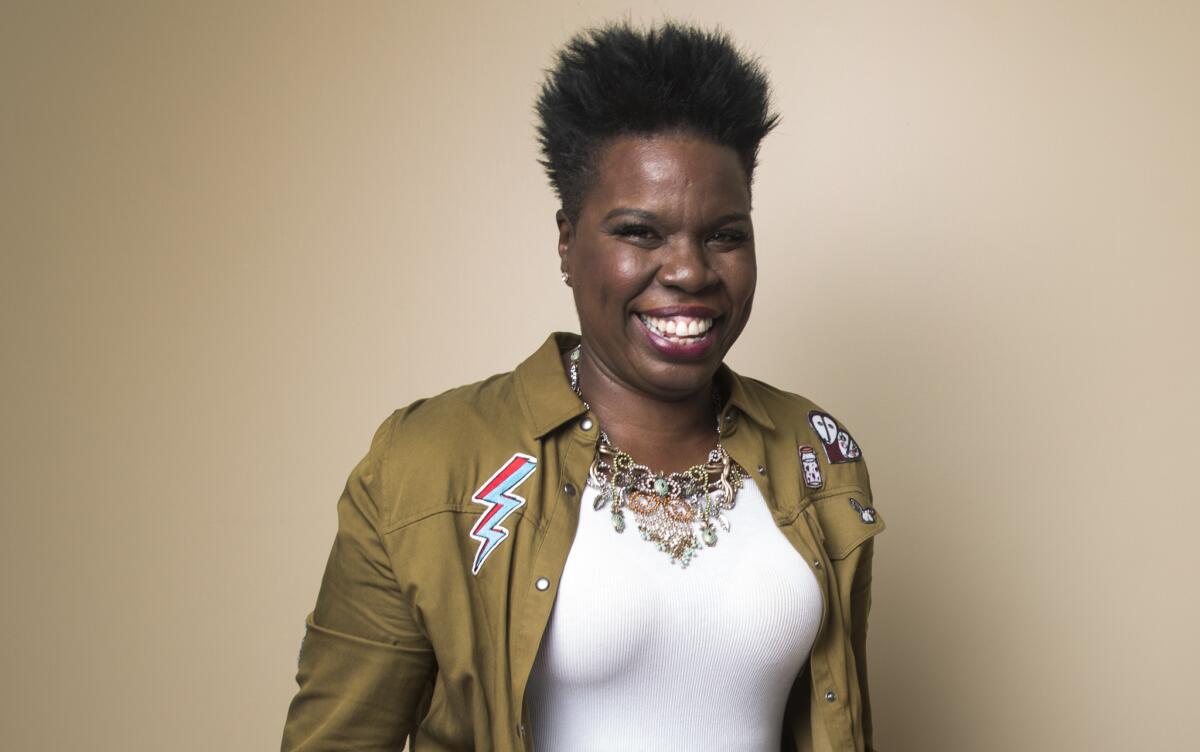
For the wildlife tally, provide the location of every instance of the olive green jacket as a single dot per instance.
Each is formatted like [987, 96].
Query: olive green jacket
[406, 642]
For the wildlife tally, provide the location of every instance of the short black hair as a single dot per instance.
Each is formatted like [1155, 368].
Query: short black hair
[616, 80]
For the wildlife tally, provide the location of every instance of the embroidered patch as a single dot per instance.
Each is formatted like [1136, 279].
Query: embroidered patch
[812, 470]
[840, 447]
[497, 495]
[867, 513]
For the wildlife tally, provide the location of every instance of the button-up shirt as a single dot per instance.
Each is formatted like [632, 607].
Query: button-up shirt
[453, 532]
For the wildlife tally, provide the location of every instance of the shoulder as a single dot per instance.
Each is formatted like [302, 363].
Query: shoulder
[800, 420]
[783, 406]
[443, 420]
[831, 465]
[426, 449]
[791, 409]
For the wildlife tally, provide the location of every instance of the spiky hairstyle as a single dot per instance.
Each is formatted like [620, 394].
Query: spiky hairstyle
[616, 80]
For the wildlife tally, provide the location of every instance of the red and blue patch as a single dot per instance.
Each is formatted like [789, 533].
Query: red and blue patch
[497, 495]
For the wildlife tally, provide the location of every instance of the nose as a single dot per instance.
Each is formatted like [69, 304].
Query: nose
[685, 265]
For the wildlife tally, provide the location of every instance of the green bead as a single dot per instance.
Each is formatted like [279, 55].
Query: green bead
[661, 487]
[710, 536]
[618, 522]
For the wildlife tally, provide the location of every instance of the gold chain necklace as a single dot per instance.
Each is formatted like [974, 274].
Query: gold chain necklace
[667, 508]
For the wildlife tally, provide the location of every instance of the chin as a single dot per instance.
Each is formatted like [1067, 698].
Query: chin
[681, 379]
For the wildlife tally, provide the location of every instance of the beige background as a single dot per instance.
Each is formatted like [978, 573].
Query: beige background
[234, 238]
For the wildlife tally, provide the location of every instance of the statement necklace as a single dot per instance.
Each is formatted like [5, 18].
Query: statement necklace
[670, 509]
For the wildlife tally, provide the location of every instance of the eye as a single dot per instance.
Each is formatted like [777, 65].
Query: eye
[637, 233]
[729, 238]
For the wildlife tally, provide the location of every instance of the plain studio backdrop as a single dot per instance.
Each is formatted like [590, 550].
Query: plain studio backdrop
[237, 235]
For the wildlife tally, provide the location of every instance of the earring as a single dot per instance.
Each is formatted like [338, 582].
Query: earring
[566, 280]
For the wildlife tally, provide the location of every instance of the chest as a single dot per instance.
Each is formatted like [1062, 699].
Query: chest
[747, 605]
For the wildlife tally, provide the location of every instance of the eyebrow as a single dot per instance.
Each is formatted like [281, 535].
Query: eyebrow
[652, 217]
[638, 213]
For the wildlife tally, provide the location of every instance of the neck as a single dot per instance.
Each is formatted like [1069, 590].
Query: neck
[665, 435]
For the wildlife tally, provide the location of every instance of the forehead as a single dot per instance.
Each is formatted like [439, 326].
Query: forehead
[670, 175]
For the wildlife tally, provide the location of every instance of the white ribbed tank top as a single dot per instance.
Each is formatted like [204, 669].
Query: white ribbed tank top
[640, 654]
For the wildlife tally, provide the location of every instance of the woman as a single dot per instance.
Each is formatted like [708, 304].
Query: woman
[621, 544]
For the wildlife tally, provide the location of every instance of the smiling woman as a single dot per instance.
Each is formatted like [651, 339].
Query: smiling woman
[484, 590]
[661, 260]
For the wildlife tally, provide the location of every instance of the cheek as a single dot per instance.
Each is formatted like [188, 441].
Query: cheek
[741, 276]
[628, 268]
[620, 270]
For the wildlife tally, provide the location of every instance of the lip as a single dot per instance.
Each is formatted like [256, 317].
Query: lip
[677, 351]
[691, 311]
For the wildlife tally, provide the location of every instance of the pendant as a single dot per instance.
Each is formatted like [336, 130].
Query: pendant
[679, 513]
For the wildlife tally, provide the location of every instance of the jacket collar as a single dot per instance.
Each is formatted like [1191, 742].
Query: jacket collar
[742, 394]
[549, 402]
[543, 387]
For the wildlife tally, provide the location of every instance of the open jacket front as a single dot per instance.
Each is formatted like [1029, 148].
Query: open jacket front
[408, 640]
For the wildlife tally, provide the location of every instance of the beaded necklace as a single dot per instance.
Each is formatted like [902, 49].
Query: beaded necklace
[667, 508]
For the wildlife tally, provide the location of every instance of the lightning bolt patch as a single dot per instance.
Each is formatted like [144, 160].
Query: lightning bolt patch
[497, 494]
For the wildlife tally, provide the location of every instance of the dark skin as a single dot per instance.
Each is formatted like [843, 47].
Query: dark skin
[666, 224]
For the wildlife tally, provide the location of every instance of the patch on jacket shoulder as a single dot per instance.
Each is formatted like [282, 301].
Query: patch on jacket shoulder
[497, 495]
[840, 447]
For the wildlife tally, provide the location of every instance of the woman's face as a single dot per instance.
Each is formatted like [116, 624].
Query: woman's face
[661, 262]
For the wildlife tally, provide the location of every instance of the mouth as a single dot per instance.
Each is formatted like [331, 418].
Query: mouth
[684, 332]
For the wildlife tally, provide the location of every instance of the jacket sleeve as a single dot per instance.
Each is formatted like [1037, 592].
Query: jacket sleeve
[365, 662]
[860, 606]
[860, 609]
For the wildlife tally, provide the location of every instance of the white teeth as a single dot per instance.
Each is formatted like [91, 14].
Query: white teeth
[678, 327]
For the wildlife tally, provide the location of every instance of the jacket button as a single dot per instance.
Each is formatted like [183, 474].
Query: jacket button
[569, 490]
[521, 730]
[831, 696]
[586, 424]
[542, 584]
[762, 470]
[816, 563]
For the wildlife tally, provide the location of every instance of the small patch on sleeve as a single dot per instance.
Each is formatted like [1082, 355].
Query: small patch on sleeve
[866, 513]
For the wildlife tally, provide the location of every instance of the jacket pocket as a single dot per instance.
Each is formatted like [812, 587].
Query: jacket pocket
[847, 518]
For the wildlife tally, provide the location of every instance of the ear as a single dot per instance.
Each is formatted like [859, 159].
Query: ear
[566, 234]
